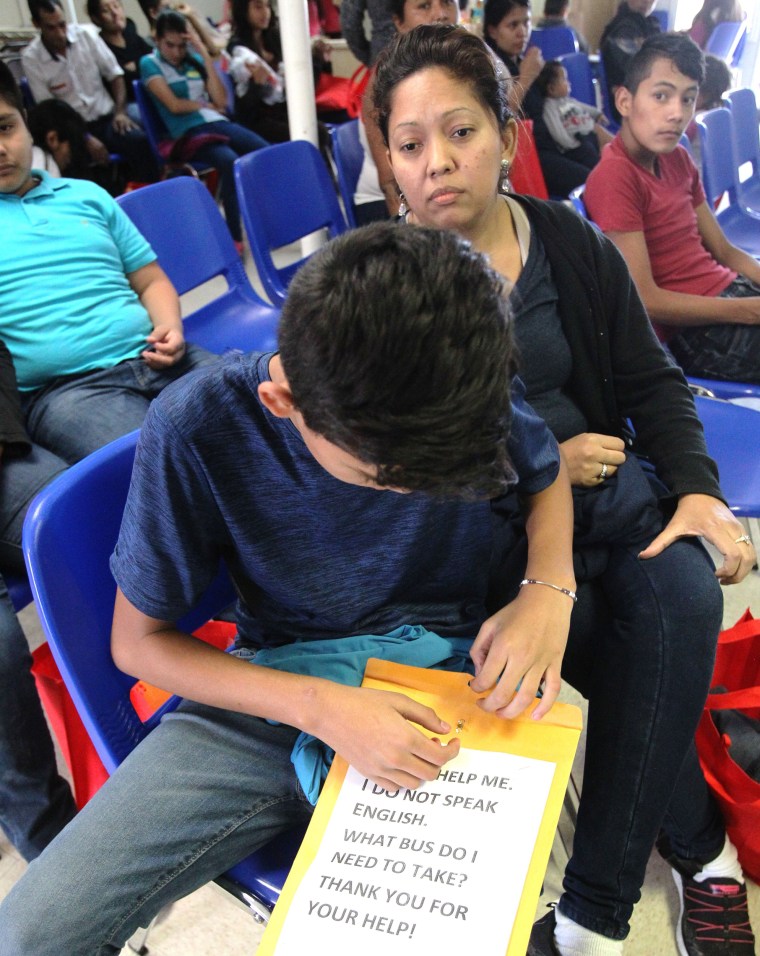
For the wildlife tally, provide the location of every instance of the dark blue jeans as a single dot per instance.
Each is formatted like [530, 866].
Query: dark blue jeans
[223, 156]
[641, 649]
[71, 417]
[730, 353]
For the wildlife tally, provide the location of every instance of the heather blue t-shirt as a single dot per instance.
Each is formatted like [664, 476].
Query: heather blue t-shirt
[216, 475]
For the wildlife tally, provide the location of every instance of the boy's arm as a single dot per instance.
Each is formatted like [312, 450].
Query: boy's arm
[373, 730]
[525, 641]
[679, 308]
[158, 295]
[715, 241]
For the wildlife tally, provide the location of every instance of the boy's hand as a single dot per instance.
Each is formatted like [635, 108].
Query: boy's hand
[586, 454]
[374, 731]
[168, 347]
[523, 642]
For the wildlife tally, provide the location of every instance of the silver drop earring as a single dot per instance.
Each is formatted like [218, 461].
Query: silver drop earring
[505, 185]
[403, 209]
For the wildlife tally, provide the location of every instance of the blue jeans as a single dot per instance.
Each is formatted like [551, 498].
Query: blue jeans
[641, 649]
[223, 156]
[730, 353]
[70, 418]
[206, 788]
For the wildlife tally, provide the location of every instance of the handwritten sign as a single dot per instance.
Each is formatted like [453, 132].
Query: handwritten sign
[440, 868]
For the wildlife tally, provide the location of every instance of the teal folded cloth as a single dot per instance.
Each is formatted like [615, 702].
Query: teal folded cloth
[344, 660]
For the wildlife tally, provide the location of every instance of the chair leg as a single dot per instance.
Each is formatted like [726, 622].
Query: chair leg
[138, 942]
[244, 898]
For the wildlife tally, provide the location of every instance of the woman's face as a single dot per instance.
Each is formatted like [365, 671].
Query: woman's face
[112, 17]
[512, 32]
[417, 12]
[446, 150]
[259, 14]
[173, 47]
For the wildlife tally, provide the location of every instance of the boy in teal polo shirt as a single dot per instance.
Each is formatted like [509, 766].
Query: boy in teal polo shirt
[92, 325]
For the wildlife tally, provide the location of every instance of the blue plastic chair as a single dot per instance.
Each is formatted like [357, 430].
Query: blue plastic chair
[349, 158]
[744, 123]
[69, 534]
[19, 590]
[554, 42]
[663, 18]
[719, 172]
[183, 224]
[285, 193]
[727, 41]
[732, 434]
[581, 77]
[604, 89]
[716, 388]
[229, 88]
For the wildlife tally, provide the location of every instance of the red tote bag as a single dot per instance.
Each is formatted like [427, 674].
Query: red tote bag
[737, 668]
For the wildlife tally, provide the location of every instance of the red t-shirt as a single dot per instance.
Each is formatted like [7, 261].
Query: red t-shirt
[622, 196]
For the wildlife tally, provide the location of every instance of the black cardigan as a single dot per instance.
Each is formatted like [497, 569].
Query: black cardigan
[13, 436]
[621, 376]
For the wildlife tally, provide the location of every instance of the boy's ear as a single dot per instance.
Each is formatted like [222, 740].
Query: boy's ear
[277, 398]
[623, 97]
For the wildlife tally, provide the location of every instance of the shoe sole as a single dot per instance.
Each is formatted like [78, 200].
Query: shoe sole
[682, 951]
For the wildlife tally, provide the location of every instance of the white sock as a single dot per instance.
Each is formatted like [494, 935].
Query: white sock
[726, 864]
[572, 939]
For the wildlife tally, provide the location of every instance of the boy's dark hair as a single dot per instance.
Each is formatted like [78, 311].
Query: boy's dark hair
[396, 344]
[717, 80]
[450, 47]
[93, 11]
[170, 21]
[550, 72]
[70, 127]
[555, 8]
[36, 7]
[10, 93]
[681, 50]
[494, 12]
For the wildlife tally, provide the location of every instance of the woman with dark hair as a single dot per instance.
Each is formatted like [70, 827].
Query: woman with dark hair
[256, 68]
[121, 37]
[711, 14]
[643, 632]
[506, 29]
[190, 98]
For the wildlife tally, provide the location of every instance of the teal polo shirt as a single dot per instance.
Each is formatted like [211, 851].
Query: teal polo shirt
[66, 305]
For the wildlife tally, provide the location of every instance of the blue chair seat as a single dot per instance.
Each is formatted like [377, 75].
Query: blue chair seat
[183, 224]
[732, 434]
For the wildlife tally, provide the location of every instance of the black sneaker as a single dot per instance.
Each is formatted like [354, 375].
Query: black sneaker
[714, 919]
[541, 941]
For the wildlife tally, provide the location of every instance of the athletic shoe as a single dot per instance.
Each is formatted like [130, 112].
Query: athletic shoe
[714, 919]
[542, 937]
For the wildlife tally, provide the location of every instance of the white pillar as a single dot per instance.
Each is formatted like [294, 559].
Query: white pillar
[299, 78]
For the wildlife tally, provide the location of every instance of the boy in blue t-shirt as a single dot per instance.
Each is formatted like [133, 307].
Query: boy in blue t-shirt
[90, 332]
[347, 481]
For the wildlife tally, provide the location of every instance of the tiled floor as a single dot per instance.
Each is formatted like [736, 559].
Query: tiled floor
[208, 923]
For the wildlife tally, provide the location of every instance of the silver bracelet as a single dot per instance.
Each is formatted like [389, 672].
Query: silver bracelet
[555, 587]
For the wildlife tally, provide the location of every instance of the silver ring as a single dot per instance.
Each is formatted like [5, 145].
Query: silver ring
[603, 473]
[744, 539]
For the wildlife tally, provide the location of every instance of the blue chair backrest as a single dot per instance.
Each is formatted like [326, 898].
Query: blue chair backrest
[285, 193]
[732, 434]
[717, 149]
[581, 77]
[663, 17]
[349, 158]
[576, 198]
[727, 41]
[152, 123]
[26, 92]
[181, 221]
[553, 42]
[69, 533]
[229, 87]
[745, 125]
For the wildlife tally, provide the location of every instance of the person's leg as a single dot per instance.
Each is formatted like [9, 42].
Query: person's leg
[646, 678]
[35, 801]
[132, 146]
[204, 790]
[561, 172]
[75, 416]
[729, 353]
[222, 157]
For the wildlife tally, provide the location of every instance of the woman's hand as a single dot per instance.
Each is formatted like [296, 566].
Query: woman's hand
[588, 453]
[707, 517]
[523, 642]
